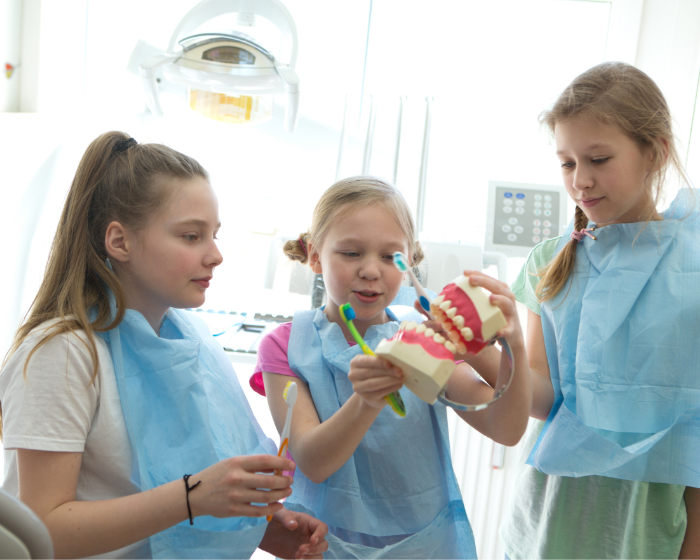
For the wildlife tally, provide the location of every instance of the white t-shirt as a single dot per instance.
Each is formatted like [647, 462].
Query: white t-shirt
[56, 407]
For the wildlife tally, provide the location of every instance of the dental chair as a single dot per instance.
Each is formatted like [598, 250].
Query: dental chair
[22, 533]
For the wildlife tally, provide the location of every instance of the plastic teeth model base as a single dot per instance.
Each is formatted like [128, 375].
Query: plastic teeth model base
[425, 357]
[469, 318]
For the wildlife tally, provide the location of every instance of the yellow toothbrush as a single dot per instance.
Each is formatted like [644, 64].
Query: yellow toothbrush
[290, 397]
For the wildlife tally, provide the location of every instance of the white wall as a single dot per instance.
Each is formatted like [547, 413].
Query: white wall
[10, 24]
[669, 51]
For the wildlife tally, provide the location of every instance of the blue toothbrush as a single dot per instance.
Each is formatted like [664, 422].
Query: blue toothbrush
[401, 262]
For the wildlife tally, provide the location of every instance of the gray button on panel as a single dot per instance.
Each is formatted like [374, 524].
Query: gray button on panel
[518, 229]
[506, 228]
[512, 237]
[512, 221]
[507, 209]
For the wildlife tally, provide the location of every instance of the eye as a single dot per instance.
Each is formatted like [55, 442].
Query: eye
[600, 161]
[567, 164]
[350, 254]
[192, 237]
[390, 257]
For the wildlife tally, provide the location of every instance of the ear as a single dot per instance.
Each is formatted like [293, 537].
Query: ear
[315, 259]
[118, 242]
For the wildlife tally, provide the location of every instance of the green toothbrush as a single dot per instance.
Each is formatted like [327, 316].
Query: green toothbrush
[348, 314]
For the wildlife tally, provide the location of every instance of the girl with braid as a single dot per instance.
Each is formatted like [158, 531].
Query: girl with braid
[610, 469]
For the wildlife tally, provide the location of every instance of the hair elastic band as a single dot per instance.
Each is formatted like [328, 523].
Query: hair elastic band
[579, 235]
[188, 489]
[303, 246]
[122, 146]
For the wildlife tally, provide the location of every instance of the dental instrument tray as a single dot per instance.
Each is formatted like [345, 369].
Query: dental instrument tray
[239, 332]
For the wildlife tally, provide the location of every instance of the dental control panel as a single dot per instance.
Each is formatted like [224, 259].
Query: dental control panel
[522, 215]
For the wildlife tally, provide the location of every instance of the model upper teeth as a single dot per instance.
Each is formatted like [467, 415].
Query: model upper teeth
[453, 323]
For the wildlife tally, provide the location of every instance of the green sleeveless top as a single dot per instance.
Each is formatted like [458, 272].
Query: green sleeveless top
[587, 517]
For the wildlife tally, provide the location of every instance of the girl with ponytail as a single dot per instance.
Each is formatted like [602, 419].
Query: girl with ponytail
[610, 470]
[123, 424]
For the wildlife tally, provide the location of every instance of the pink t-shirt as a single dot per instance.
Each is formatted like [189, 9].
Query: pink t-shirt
[272, 356]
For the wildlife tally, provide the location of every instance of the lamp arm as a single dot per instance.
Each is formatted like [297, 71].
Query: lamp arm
[147, 70]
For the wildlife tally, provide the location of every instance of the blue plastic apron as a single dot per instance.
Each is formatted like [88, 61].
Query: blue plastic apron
[622, 345]
[397, 496]
[184, 411]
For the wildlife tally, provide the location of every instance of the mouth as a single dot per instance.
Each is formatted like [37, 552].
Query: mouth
[367, 296]
[590, 202]
[203, 282]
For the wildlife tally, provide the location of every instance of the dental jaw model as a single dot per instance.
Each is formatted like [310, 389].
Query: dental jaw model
[467, 315]
[426, 357]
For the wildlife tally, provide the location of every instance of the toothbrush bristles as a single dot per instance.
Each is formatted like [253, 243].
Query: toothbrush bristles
[286, 390]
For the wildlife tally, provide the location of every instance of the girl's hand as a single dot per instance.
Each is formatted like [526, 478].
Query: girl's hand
[291, 534]
[504, 299]
[429, 323]
[230, 487]
[373, 378]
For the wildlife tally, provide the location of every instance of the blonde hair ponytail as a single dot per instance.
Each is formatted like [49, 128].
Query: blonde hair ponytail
[297, 249]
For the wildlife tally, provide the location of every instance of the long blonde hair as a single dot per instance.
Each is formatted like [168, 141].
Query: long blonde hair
[344, 197]
[117, 179]
[616, 94]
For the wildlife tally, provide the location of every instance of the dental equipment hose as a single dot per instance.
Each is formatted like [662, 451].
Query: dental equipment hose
[499, 393]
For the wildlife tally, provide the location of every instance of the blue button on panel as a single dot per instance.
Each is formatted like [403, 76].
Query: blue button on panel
[508, 195]
[520, 195]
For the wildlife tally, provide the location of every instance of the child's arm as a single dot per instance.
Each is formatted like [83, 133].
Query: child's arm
[48, 482]
[504, 421]
[487, 362]
[320, 449]
[691, 543]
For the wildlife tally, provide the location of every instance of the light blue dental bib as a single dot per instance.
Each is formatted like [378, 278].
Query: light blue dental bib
[397, 496]
[184, 411]
[622, 345]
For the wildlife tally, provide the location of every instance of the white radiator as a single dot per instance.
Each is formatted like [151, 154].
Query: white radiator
[486, 489]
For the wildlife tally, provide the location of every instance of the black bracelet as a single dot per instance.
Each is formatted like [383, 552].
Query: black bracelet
[188, 489]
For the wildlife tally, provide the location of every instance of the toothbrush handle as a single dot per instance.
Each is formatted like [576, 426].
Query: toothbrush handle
[282, 452]
[422, 294]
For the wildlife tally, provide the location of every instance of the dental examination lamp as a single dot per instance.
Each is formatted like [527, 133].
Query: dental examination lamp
[229, 76]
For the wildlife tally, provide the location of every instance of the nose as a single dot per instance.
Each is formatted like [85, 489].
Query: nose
[214, 256]
[582, 179]
[370, 269]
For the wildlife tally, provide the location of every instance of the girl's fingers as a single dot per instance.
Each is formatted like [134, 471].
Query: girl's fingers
[249, 496]
[420, 309]
[505, 304]
[273, 482]
[261, 463]
[248, 510]
[378, 384]
[479, 273]
[491, 284]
